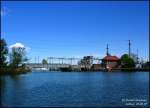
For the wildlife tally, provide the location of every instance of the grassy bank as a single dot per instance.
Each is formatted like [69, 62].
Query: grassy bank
[14, 71]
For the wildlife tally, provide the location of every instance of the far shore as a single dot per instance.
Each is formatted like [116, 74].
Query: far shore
[100, 70]
[19, 72]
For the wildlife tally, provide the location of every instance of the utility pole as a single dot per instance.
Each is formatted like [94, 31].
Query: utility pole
[129, 48]
[35, 59]
[38, 59]
[137, 56]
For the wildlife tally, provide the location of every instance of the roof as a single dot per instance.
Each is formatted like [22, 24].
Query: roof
[111, 58]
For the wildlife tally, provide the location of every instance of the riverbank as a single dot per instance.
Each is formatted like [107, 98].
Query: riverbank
[14, 71]
[112, 70]
[129, 70]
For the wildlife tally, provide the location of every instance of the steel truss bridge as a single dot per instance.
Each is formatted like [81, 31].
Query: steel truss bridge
[54, 63]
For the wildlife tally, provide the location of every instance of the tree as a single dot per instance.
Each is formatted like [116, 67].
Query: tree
[44, 62]
[18, 57]
[4, 53]
[87, 61]
[127, 62]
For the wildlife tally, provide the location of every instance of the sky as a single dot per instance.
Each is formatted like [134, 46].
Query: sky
[76, 28]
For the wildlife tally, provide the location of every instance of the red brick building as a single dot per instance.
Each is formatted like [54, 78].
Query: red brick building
[110, 61]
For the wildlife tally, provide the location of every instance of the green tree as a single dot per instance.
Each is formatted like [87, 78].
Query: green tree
[18, 57]
[3, 56]
[127, 62]
[87, 61]
[44, 61]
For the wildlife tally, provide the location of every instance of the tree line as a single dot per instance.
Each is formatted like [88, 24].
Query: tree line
[17, 58]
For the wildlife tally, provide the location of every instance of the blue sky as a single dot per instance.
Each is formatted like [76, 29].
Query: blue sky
[75, 29]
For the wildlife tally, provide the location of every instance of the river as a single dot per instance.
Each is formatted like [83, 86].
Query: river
[79, 89]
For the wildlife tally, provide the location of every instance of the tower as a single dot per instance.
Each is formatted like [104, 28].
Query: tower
[107, 49]
[129, 48]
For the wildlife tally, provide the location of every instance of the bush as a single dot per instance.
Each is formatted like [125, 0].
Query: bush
[127, 62]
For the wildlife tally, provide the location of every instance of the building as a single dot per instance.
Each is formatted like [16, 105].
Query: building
[110, 62]
[146, 65]
[96, 67]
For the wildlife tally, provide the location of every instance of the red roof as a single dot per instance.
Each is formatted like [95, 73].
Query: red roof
[111, 58]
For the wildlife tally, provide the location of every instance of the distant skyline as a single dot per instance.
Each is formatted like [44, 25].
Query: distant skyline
[76, 28]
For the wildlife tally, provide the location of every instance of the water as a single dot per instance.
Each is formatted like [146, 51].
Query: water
[62, 89]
